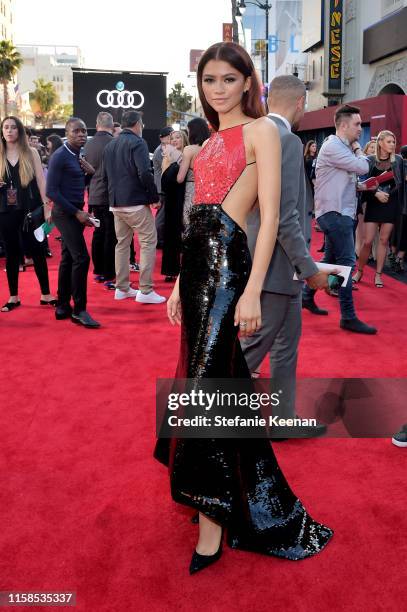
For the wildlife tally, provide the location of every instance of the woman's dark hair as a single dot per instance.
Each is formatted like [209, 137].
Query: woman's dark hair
[198, 131]
[56, 142]
[236, 56]
[307, 148]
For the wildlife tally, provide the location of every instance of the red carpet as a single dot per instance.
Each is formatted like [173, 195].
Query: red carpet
[85, 507]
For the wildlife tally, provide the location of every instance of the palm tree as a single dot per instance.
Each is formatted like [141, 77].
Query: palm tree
[10, 62]
[44, 99]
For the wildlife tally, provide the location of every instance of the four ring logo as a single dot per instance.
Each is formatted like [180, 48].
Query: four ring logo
[120, 99]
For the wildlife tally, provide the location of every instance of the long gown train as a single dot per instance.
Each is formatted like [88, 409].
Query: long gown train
[236, 482]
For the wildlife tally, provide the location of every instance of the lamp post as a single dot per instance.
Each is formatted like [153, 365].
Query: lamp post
[264, 6]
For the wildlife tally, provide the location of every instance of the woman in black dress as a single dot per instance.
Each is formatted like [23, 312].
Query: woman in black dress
[174, 204]
[310, 158]
[399, 237]
[234, 483]
[22, 190]
[382, 204]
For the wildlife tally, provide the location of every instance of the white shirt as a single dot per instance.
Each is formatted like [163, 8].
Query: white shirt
[283, 119]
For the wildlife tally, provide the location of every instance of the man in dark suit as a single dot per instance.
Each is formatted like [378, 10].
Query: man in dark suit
[104, 236]
[281, 296]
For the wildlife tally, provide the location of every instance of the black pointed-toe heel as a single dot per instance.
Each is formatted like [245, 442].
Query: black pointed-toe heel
[48, 302]
[199, 562]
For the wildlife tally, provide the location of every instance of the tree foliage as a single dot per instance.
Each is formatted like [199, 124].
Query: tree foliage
[44, 99]
[178, 100]
[10, 62]
[60, 113]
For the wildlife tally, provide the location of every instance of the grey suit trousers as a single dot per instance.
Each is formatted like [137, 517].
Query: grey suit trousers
[280, 335]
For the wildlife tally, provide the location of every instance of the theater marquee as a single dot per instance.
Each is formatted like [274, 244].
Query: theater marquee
[334, 57]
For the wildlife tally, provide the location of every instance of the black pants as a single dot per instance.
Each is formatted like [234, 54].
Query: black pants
[11, 223]
[103, 243]
[159, 223]
[74, 266]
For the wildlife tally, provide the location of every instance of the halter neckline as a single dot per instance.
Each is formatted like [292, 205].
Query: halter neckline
[235, 126]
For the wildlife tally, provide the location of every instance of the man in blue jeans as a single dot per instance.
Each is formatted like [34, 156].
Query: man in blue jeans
[339, 163]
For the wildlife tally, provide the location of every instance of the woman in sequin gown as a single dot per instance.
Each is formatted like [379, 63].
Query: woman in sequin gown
[235, 484]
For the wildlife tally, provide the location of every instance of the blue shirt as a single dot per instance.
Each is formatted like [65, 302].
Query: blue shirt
[336, 175]
[66, 180]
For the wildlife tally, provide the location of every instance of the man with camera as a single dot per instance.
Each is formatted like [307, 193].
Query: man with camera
[339, 163]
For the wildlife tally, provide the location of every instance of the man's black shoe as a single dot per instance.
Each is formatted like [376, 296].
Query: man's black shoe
[354, 325]
[313, 308]
[84, 318]
[63, 312]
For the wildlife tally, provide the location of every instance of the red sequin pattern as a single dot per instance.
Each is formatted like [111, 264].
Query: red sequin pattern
[218, 165]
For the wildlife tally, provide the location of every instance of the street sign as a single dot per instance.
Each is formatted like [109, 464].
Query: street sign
[227, 32]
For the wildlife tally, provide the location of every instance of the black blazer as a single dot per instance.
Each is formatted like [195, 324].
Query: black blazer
[127, 170]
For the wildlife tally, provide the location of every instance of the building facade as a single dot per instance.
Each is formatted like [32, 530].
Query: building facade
[371, 49]
[283, 42]
[52, 64]
[6, 20]
[357, 52]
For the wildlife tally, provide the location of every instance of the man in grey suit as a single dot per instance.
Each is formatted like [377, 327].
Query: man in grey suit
[281, 296]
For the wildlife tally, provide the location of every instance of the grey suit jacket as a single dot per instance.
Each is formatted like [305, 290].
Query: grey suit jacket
[290, 253]
[157, 163]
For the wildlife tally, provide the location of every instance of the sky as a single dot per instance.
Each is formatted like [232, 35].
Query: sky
[154, 35]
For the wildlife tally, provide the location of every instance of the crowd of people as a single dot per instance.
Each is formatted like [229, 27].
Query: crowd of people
[360, 203]
[381, 217]
[235, 205]
[112, 172]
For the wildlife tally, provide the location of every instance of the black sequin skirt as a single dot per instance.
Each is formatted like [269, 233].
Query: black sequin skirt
[236, 482]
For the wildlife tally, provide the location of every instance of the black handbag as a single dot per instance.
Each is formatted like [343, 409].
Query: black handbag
[34, 219]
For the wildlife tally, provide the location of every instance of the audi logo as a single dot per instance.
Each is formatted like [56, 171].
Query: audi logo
[120, 99]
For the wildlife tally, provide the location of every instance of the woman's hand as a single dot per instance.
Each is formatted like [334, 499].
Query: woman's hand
[47, 212]
[86, 166]
[174, 307]
[382, 196]
[248, 314]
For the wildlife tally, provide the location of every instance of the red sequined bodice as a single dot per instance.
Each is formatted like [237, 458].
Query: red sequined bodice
[218, 165]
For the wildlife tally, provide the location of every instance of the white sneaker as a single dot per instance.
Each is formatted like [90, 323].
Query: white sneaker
[150, 298]
[122, 295]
